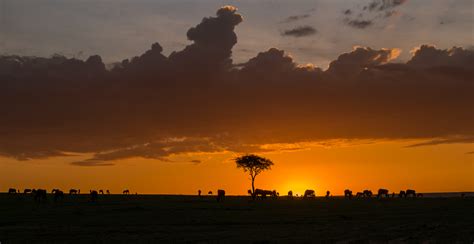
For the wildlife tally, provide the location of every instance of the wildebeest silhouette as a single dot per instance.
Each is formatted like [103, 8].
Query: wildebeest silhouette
[58, 194]
[101, 192]
[94, 195]
[402, 194]
[347, 193]
[209, 193]
[359, 194]
[39, 194]
[108, 192]
[309, 194]
[126, 192]
[27, 191]
[263, 193]
[367, 193]
[12, 190]
[72, 191]
[410, 192]
[220, 195]
[290, 194]
[328, 194]
[382, 193]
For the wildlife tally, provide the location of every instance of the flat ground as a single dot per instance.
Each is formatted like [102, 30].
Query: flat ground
[158, 218]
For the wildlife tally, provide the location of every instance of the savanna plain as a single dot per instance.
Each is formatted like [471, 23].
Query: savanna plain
[179, 218]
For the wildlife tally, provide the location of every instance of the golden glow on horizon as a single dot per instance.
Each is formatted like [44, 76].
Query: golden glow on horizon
[359, 166]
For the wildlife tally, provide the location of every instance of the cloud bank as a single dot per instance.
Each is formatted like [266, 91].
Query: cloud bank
[196, 100]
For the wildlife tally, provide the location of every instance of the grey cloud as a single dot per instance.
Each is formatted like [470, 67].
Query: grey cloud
[371, 13]
[360, 24]
[294, 18]
[300, 31]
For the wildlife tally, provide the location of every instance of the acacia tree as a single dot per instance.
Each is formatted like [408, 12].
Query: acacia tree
[254, 165]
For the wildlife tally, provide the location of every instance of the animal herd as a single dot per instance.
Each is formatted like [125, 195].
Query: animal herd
[41, 194]
[382, 193]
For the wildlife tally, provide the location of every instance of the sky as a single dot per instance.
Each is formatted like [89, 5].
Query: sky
[149, 96]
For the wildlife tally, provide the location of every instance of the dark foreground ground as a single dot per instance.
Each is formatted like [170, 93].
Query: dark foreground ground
[157, 219]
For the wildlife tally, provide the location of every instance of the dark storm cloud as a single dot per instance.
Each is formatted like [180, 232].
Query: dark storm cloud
[300, 31]
[195, 100]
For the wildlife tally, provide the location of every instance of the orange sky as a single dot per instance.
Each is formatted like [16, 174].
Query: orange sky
[440, 168]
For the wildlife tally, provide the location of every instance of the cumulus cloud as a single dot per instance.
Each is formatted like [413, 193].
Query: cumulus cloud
[300, 31]
[197, 101]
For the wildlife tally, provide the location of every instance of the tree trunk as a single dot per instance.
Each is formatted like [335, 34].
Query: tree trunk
[253, 188]
[253, 184]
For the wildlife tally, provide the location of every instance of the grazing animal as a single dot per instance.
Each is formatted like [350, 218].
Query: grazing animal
[126, 192]
[309, 194]
[263, 193]
[347, 193]
[359, 194]
[367, 193]
[27, 191]
[11, 190]
[39, 194]
[72, 191]
[382, 193]
[101, 192]
[402, 194]
[410, 192]
[94, 195]
[419, 195]
[108, 192]
[209, 193]
[220, 195]
[58, 194]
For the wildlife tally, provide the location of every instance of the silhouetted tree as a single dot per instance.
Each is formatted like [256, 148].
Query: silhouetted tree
[254, 165]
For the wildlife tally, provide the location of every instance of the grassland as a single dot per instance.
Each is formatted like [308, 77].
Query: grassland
[158, 219]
